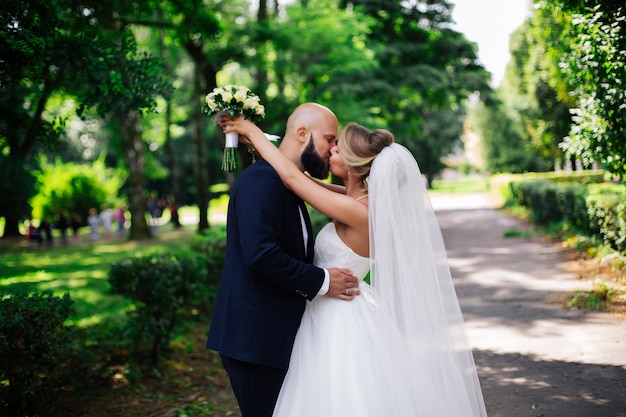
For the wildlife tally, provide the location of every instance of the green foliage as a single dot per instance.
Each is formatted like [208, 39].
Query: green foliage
[425, 73]
[607, 214]
[596, 63]
[35, 57]
[327, 59]
[590, 208]
[160, 285]
[553, 202]
[535, 95]
[517, 233]
[502, 145]
[125, 80]
[596, 299]
[13, 192]
[210, 244]
[34, 344]
[458, 186]
[73, 188]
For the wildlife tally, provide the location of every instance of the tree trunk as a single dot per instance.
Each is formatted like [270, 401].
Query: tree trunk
[199, 155]
[175, 197]
[11, 227]
[173, 162]
[132, 146]
[261, 73]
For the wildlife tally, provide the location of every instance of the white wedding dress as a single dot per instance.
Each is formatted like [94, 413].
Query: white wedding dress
[349, 359]
[400, 348]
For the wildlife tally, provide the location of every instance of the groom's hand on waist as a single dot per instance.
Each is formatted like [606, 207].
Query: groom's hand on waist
[343, 285]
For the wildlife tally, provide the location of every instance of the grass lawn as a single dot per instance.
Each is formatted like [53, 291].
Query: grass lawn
[81, 270]
[458, 186]
[190, 378]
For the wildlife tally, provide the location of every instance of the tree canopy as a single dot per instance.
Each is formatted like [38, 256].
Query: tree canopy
[90, 74]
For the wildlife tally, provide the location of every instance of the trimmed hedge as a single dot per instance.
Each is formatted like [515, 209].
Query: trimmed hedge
[606, 205]
[591, 208]
[551, 202]
[34, 343]
[160, 285]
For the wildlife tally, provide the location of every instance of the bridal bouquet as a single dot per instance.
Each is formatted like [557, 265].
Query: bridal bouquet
[233, 100]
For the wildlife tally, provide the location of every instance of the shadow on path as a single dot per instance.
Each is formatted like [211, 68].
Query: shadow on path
[534, 356]
[529, 386]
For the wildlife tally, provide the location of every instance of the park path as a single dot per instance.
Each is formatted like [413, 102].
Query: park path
[534, 356]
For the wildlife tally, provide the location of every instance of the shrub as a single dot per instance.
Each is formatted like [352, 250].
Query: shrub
[73, 188]
[211, 246]
[553, 202]
[607, 214]
[33, 344]
[594, 209]
[160, 285]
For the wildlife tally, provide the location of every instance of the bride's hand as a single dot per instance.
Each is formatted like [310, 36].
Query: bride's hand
[240, 125]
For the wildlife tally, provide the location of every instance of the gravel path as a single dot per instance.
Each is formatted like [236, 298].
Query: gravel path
[534, 356]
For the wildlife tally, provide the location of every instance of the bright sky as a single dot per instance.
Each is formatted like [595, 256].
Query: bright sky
[490, 23]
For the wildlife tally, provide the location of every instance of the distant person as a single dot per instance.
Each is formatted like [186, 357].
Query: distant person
[158, 211]
[174, 219]
[106, 220]
[63, 224]
[45, 232]
[120, 220]
[33, 234]
[93, 221]
[76, 223]
[151, 207]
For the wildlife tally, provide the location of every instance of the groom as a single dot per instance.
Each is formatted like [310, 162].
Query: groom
[268, 275]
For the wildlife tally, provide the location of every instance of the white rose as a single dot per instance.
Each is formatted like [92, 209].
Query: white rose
[251, 102]
[210, 102]
[241, 94]
[227, 96]
[260, 110]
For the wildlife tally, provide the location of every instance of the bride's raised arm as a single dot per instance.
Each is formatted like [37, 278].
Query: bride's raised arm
[333, 203]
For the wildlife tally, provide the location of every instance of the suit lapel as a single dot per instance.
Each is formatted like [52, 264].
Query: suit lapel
[309, 229]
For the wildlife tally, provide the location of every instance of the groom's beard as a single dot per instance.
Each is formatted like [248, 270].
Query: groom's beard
[315, 165]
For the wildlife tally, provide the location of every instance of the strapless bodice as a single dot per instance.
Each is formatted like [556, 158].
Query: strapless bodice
[331, 252]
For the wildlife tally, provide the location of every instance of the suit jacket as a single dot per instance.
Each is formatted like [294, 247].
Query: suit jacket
[267, 276]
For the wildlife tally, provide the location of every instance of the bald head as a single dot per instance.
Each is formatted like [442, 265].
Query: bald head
[308, 115]
[311, 132]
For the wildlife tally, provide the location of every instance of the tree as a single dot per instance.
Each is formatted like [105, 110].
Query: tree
[502, 144]
[37, 49]
[426, 72]
[535, 89]
[596, 64]
[74, 188]
[326, 59]
[203, 30]
[60, 45]
[121, 84]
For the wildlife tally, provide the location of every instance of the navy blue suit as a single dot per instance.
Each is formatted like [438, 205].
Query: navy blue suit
[266, 280]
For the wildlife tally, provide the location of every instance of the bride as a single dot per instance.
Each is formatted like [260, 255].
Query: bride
[400, 348]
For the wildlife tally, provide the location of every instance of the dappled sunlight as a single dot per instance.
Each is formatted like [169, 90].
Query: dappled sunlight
[92, 320]
[65, 284]
[37, 276]
[518, 384]
[82, 271]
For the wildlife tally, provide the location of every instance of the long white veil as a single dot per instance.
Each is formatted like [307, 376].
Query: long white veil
[410, 271]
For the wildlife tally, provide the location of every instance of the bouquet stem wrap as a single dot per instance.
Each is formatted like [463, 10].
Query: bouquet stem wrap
[229, 161]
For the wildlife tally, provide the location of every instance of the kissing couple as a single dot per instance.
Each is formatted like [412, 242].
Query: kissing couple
[300, 331]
